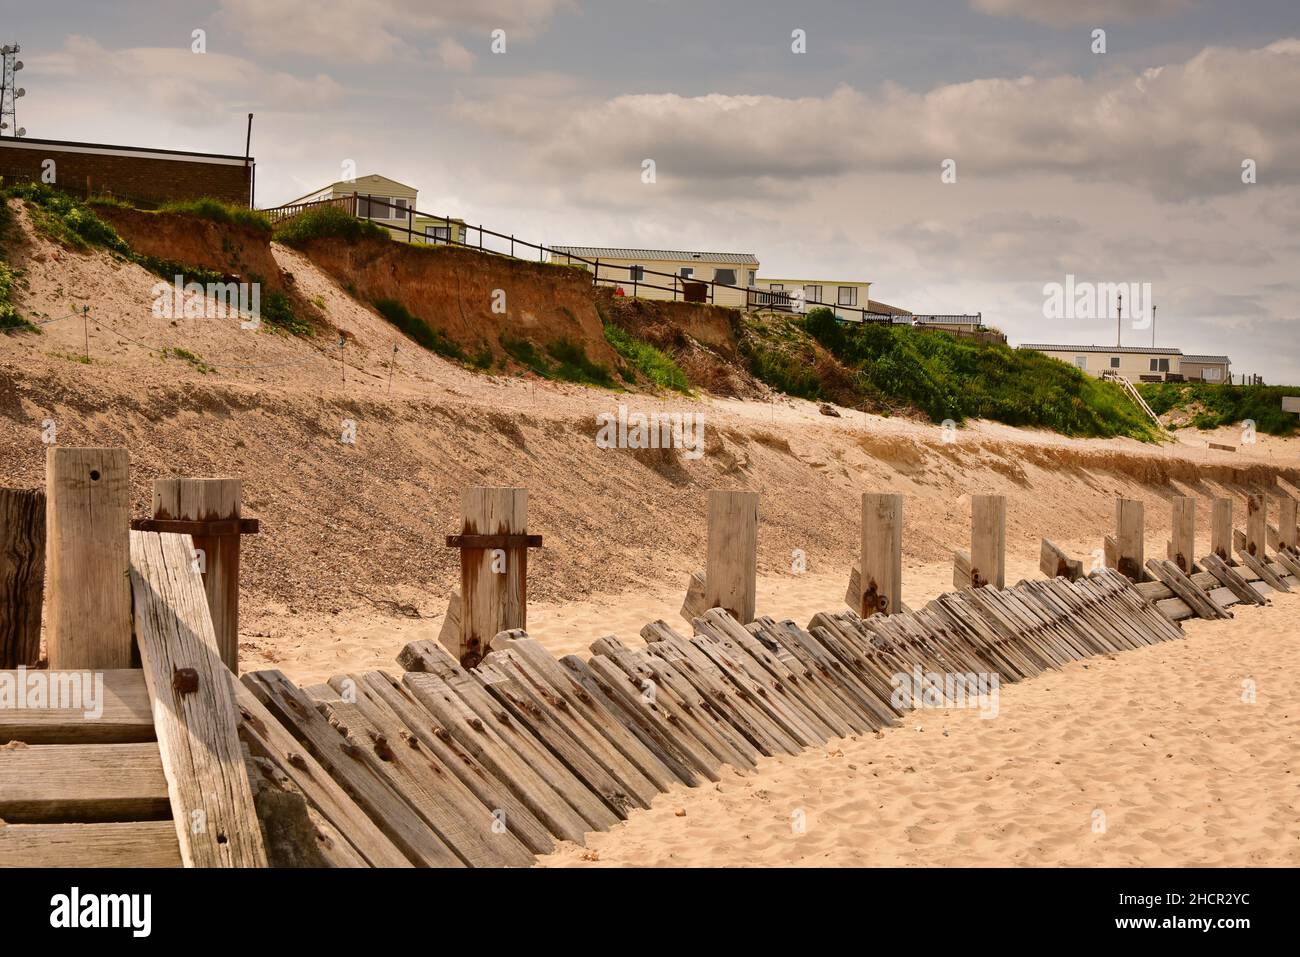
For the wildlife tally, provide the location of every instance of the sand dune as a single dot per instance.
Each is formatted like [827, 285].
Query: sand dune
[1159, 741]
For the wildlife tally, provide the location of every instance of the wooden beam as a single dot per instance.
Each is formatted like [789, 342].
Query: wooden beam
[1054, 563]
[730, 573]
[1221, 528]
[493, 582]
[194, 707]
[1288, 531]
[120, 712]
[880, 575]
[1129, 538]
[988, 540]
[87, 518]
[134, 844]
[22, 575]
[1183, 541]
[210, 500]
[1256, 524]
[961, 569]
[82, 782]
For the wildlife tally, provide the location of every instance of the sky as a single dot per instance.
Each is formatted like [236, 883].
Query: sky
[961, 155]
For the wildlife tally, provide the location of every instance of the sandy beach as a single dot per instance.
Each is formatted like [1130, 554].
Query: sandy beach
[1153, 757]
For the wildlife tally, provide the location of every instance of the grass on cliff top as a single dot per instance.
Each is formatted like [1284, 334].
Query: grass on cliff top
[1218, 405]
[327, 221]
[220, 212]
[943, 376]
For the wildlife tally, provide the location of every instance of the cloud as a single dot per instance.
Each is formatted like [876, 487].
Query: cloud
[1177, 131]
[1091, 12]
[453, 56]
[371, 30]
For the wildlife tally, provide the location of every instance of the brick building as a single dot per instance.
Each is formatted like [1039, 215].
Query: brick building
[135, 173]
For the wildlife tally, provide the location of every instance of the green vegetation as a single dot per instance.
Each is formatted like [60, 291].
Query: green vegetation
[277, 312]
[525, 353]
[943, 376]
[416, 328]
[220, 212]
[186, 356]
[326, 221]
[85, 360]
[10, 320]
[653, 363]
[564, 360]
[66, 220]
[1213, 405]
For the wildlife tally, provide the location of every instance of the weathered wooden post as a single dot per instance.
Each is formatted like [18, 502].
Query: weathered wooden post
[493, 547]
[22, 575]
[1288, 533]
[1130, 545]
[1221, 529]
[208, 510]
[731, 567]
[988, 540]
[1256, 524]
[880, 578]
[1182, 545]
[87, 521]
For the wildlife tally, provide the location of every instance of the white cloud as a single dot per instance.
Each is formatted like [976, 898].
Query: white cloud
[371, 30]
[1091, 12]
[453, 56]
[1178, 131]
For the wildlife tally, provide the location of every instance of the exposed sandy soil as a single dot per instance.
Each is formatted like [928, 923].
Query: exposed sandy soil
[1158, 746]
[346, 526]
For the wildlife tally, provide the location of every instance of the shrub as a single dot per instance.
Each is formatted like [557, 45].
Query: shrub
[575, 366]
[1221, 404]
[220, 212]
[326, 221]
[416, 328]
[651, 362]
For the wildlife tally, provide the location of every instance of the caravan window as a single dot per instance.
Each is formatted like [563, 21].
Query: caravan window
[725, 276]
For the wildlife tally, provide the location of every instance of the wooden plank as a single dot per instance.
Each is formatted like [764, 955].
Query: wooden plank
[193, 707]
[1054, 563]
[821, 687]
[388, 809]
[459, 819]
[1230, 578]
[83, 783]
[381, 693]
[1221, 528]
[1181, 585]
[1110, 551]
[988, 540]
[961, 569]
[134, 844]
[1183, 542]
[103, 707]
[311, 840]
[881, 555]
[87, 518]
[695, 604]
[22, 575]
[1256, 524]
[1255, 564]
[267, 738]
[1288, 529]
[730, 572]
[489, 730]
[210, 500]
[1129, 538]
[493, 582]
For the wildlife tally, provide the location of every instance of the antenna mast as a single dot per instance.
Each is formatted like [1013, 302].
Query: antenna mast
[10, 91]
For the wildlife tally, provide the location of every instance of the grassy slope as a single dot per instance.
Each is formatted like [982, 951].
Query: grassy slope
[942, 376]
[1226, 404]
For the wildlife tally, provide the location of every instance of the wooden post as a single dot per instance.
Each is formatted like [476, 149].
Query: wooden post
[988, 540]
[730, 572]
[87, 520]
[22, 575]
[880, 580]
[1221, 529]
[1288, 534]
[1183, 536]
[1256, 524]
[210, 500]
[493, 568]
[1130, 524]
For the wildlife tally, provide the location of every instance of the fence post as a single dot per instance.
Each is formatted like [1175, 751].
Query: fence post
[410, 222]
[22, 575]
[217, 555]
[1182, 546]
[1256, 524]
[1221, 529]
[880, 582]
[87, 520]
[988, 540]
[1287, 532]
[493, 547]
[732, 560]
[1130, 523]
